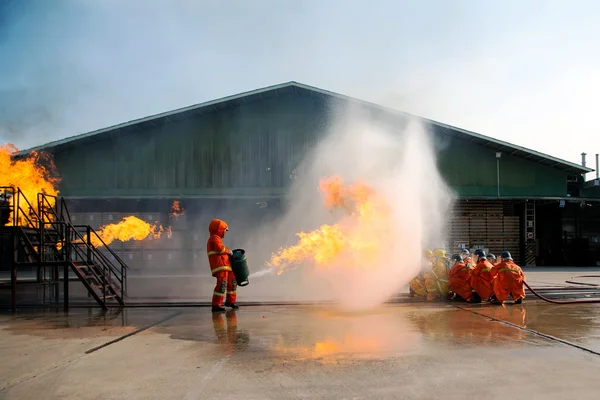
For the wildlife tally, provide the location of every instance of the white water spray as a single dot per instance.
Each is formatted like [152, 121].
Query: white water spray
[262, 272]
[395, 158]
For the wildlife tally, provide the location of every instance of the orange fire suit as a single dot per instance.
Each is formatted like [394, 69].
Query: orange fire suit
[482, 278]
[460, 280]
[220, 265]
[509, 281]
[226, 333]
[436, 281]
[469, 262]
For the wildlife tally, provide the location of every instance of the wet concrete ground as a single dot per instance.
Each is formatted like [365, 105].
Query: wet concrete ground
[402, 351]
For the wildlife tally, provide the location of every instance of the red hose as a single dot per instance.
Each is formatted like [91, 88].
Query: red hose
[561, 302]
[583, 283]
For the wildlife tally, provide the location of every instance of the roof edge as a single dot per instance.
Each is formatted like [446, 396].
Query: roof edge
[59, 142]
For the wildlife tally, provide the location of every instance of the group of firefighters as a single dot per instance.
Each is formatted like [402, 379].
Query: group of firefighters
[473, 279]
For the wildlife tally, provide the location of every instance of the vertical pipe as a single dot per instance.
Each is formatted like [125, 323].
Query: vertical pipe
[498, 175]
[13, 272]
[597, 173]
[89, 244]
[56, 284]
[583, 159]
[66, 288]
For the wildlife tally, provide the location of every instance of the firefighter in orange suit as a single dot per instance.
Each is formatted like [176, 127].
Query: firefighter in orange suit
[460, 278]
[466, 256]
[482, 277]
[509, 280]
[220, 266]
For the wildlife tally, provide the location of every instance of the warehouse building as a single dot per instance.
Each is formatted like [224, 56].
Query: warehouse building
[243, 151]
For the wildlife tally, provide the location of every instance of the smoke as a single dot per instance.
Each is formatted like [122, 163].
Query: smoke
[397, 159]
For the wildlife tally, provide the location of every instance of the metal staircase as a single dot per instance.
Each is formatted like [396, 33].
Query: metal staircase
[49, 242]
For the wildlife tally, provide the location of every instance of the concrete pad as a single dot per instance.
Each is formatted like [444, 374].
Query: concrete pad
[577, 323]
[558, 276]
[402, 351]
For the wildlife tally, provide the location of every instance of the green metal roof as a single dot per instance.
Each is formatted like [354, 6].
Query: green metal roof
[295, 87]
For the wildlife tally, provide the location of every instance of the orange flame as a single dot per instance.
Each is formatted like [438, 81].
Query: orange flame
[33, 174]
[128, 228]
[176, 210]
[356, 236]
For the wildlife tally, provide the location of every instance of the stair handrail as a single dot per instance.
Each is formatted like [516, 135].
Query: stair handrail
[79, 252]
[28, 242]
[121, 276]
[124, 267]
[100, 278]
[48, 216]
[64, 210]
[20, 195]
[16, 206]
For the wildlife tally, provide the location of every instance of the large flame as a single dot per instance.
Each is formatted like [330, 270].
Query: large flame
[33, 174]
[129, 228]
[356, 236]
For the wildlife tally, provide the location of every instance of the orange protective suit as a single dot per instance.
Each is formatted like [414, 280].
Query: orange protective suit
[482, 278]
[509, 281]
[226, 333]
[436, 281]
[460, 280]
[220, 265]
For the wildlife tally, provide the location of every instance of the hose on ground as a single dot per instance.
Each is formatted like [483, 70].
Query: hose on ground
[590, 301]
[583, 283]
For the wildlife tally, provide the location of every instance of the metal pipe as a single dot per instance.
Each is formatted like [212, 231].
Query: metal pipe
[597, 173]
[583, 159]
[498, 175]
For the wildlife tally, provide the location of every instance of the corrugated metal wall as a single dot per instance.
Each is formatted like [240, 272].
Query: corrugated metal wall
[252, 149]
[485, 225]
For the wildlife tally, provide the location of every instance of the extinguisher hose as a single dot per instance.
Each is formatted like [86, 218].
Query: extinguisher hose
[588, 301]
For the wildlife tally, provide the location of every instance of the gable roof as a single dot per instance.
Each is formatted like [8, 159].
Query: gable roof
[295, 87]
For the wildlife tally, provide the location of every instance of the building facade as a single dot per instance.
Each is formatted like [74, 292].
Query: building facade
[243, 151]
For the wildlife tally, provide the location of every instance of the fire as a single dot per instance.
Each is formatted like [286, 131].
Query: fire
[176, 210]
[355, 238]
[129, 228]
[33, 174]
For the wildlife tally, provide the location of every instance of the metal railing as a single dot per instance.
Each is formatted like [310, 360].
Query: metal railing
[81, 249]
[19, 201]
[61, 243]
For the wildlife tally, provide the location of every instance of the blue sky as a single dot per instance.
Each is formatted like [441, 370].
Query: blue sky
[527, 72]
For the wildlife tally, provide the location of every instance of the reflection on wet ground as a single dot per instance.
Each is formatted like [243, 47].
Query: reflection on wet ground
[578, 323]
[327, 334]
[280, 351]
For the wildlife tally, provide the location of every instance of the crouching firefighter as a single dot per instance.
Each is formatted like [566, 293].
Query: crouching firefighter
[220, 266]
[460, 279]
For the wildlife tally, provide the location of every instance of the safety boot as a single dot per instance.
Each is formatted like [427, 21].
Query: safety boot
[217, 309]
[519, 300]
[232, 305]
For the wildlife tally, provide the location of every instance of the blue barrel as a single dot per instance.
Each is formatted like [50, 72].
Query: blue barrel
[239, 265]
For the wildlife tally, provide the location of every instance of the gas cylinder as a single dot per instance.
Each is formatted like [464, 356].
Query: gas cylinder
[239, 266]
